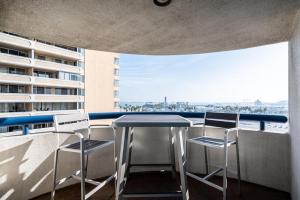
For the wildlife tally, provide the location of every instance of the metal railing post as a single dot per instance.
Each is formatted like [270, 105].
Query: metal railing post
[262, 125]
[26, 129]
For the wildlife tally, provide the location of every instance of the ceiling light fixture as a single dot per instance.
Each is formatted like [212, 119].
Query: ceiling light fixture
[162, 3]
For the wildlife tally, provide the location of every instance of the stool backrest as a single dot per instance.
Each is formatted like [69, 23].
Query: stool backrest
[71, 122]
[221, 120]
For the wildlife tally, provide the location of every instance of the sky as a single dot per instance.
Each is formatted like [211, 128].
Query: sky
[232, 76]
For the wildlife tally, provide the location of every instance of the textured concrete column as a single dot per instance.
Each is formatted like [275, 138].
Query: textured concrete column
[294, 108]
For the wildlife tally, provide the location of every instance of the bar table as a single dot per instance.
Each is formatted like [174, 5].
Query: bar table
[178, 126]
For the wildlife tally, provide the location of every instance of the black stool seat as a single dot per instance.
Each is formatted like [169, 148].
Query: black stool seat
[88, 144]
[208, 141]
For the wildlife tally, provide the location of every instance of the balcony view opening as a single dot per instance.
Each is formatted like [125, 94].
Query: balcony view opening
[248, 81]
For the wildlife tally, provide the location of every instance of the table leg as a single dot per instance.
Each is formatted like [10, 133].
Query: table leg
[129, 152]
[182, 160]
[122, 163]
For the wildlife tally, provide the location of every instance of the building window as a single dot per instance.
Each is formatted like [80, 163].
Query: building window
[41, 57]
[54, 106]
[3, 50]
[58, 60]
[4, 88]
[116, 104]
[116, 93]
[116, 72]
[116, 61]
[12, 107]
[116, 83]
[13, 52]
[16, 71]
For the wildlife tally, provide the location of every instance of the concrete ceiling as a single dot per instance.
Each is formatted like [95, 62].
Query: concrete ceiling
[140, 27]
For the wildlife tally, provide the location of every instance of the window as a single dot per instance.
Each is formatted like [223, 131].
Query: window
[23, 54]
[58, 60]
[13, 52]
[44, 74]
[3, 70]
[47, 90]
[116, 61]
[13, 89]
[40, 90]
[116, 93]
[64, 91]
[4, 88]
[21, 89]
[81, 92]
[116, 72]
[3, 50]
[16, 71]
[16, 107]
[116, 83]
[41, 57]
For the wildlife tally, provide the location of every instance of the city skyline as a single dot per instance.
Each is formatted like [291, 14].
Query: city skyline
[232, 76]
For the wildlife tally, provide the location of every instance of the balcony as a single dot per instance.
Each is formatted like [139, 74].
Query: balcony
[42, 64]
[15, 78]
[14, 97]
[258, 165]
[56, 51]
[56, 98]
[56, 82]
[15, 60]
[15, 41]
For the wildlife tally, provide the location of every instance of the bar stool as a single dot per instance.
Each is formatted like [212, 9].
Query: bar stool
[78, 125]
[228, 122]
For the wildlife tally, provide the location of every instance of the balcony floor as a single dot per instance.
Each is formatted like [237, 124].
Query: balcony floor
[159, 182]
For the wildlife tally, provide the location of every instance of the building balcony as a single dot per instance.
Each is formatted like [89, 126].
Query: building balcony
[15, 41]
[40, 81]
[17, 97]
[56, 51]
[15, 79]
[39, 46]
[15, 60]
[55, 98]
[47, 65]
[36, 113]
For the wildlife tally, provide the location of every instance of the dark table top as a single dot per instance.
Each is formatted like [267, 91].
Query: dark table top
[152, 121]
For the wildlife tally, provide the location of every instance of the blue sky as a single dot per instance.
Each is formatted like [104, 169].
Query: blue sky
[232, 76]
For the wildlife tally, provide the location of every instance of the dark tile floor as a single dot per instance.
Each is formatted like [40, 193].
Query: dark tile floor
[158, 182]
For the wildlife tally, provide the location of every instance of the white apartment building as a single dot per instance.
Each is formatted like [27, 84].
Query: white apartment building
[37, 78]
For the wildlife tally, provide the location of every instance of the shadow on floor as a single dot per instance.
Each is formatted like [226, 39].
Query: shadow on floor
[163, 182]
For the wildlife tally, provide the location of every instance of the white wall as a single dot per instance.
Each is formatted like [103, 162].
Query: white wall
[294, 108]
[26, 161]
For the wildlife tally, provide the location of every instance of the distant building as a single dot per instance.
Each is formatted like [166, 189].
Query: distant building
[258, 103]
[38, 77]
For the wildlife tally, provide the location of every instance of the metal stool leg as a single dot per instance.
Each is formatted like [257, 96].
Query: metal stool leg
[129, 151]
[206, 159]
[54, 173]
[238, 165]
[82, 168]
[172, 152]
[225, 166]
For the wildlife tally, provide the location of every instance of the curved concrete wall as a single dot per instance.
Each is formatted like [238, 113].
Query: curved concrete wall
[26, 161]
[294, 107]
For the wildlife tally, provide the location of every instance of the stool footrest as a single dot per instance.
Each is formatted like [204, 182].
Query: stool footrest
[204, 181]
[151, 195]
[213, 173]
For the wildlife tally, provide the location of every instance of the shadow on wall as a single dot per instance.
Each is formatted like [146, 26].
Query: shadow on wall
[18, 176]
